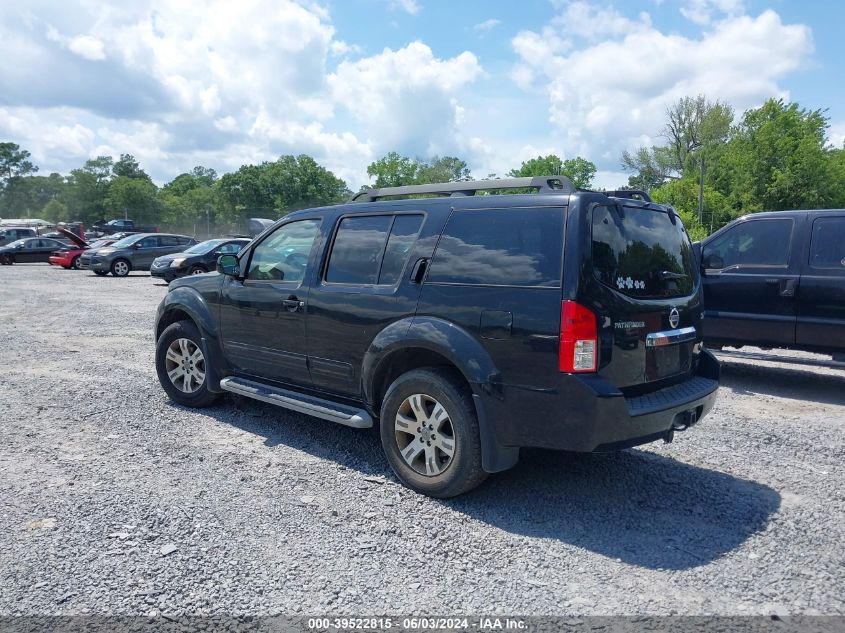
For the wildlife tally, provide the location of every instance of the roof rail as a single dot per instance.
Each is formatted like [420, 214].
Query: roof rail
[631, 194]
[543, 184]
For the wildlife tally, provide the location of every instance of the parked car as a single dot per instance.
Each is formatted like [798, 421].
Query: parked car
[456, 324]
[777, 280]
[25, 251]
[13, 234]
[135, 252]
[70, 257]
[200, 258]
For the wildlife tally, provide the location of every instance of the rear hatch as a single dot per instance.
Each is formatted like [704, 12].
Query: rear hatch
[644, 283]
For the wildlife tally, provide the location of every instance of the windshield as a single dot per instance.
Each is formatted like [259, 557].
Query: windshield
[99, 243]
[127, 241]
[203, 247]
[16, 243]
[642, 252]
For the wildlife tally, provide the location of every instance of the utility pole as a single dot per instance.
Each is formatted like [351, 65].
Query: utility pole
[701, 190]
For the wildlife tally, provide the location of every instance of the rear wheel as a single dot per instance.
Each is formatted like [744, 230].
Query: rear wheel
[429, 432]
[182, 367]
[120, 268]
[196, 270]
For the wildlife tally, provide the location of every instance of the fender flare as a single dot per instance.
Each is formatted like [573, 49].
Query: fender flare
[185, 299]
[464, 352]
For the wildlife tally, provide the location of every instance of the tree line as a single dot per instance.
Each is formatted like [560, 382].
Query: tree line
[710, 166]
[714, 169]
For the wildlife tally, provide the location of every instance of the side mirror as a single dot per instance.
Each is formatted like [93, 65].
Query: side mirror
[228, 265]
[136, 245]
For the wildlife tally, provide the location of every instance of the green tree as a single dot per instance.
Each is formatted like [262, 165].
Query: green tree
[778, 158]
[14, 163]
[135, 198]
[683, 195]
[442, 169]
[87, 189]
[128, 167]
[579, 170]
[651, 167]
[394, 170]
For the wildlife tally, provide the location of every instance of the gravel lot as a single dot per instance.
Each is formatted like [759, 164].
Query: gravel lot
[115, 501]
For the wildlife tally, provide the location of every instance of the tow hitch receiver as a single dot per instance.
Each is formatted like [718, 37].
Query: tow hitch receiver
[682, 422]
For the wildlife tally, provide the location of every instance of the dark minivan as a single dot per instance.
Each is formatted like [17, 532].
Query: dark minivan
[777, 279]
[464, 325]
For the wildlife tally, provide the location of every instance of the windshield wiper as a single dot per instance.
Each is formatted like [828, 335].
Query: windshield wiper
[668, 274]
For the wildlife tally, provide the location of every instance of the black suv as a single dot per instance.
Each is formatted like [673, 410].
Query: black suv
[464, 325]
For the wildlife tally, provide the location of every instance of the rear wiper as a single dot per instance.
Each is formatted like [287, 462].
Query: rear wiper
[667, 274]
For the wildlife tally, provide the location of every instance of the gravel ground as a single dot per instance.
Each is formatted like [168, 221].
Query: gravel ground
[115, 501]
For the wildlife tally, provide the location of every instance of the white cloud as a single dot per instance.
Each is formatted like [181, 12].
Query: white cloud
[404, 99]
[701, 11]
[605, 96]
[411, 7]
[487, 25]
[86, 46]
[836, 134]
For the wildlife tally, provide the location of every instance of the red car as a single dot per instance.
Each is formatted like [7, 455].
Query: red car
[69, 257]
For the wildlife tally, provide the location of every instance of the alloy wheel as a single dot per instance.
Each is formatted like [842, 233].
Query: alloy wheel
[185, 365]
[425, 435]
[121, 268]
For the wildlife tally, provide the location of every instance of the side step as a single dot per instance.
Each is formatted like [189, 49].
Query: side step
[310, 405]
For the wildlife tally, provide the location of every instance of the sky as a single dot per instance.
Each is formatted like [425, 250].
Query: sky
[495, 82]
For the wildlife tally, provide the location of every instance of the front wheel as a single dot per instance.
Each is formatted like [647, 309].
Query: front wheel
[75, 263]
[429, 432]
[6, 259]
[196, 270]
[120, 268]
[182, 367]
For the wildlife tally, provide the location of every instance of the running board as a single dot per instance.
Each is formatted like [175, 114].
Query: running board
[310, 405]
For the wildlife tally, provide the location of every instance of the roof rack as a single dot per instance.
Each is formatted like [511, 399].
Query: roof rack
[543, 184]
[631, 194]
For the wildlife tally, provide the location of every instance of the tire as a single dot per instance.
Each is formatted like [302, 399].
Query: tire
[6, 259]
[184, 382]
[101, 273]
[67, 267]
[75, 263]
[120, 268]
[196, 270]
[429, 469]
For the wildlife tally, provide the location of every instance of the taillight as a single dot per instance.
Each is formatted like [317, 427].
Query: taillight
[579, 344]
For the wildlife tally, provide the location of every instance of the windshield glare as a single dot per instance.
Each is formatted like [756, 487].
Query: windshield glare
[126, 241]
[17, 242]
[99, 244]
[203, 247]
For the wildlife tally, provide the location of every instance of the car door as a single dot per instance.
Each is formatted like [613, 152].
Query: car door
[146, 251]
[29, 253]
[821, 306]
[46, 247]
[750, 278]
[263, 312]
[364, 286]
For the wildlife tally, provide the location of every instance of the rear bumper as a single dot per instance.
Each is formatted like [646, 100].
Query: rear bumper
[588, 413]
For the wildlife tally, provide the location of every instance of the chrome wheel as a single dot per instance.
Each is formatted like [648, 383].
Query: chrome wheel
[121, 268]
[425, 435]
[197, 271]
[185, 365]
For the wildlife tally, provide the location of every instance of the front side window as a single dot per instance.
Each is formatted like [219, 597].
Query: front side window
[752, 243]
[284, 254]
[232, 247]
[827, 247]
[511, 247]
[148, 242]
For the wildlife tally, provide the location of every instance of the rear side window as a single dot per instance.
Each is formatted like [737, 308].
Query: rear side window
[503, 247]
[642, 252]
[372, 250]
[827, 247]
[169, 240]
[358, 249]
[752, 243]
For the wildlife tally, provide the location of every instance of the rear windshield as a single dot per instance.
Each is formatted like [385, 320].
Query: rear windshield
[642, 252]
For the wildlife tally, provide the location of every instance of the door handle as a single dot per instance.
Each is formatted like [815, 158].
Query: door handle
[418, 271]
[787, 287]
[293, 304]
